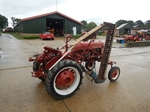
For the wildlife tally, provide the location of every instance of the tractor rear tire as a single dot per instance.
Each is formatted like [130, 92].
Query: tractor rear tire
[64, 79]
[42, 79]
[114, 73]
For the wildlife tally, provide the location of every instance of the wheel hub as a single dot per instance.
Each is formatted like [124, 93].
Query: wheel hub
[90, 64]
[114, 74]
[64, 79]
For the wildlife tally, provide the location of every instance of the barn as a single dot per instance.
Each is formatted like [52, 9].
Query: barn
[46, 22]
[123, 29]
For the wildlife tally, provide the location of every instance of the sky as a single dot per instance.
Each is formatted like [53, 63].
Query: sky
[98, 11]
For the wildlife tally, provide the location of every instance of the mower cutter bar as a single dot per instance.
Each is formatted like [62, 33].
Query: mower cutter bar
[106, 53]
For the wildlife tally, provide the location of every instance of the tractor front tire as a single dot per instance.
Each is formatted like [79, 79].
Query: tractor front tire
[90, 65]
[114, 73]
[64, 79]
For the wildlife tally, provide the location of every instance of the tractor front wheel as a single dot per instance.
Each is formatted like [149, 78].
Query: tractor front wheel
[90, 65]
[64, 79]
[114, 73]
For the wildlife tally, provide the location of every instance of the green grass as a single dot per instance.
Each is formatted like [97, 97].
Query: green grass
[34, 36]
[30, 37]
[25, 36]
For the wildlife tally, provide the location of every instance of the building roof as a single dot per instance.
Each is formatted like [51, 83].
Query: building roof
[122, 25]
[48, 14]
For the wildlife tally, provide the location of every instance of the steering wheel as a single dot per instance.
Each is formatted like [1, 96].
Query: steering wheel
[68, 37]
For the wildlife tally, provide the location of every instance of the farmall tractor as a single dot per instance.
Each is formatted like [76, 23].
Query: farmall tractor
[139, 36]
[63, 70]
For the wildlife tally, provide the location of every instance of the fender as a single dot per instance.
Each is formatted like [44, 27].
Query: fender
[54, 60]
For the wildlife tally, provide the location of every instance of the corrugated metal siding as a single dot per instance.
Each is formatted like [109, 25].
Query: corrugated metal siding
[35, 25]
[69, 25]
[39, 24]
[121, 30]
[19, 28]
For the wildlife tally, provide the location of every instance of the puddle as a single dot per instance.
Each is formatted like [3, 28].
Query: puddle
[1, 52]
[118, 47]
[2, 55]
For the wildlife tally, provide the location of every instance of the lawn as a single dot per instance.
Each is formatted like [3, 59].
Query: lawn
[25, 36]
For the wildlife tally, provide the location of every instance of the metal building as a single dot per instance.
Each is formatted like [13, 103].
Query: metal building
[54, 20]
[123, 29]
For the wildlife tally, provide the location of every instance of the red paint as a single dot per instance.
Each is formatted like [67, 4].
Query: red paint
[64, 79]
[46, 35]
[82, 52]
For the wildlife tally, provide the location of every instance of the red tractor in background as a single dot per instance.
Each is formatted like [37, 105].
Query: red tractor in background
[139, 36]
[62, 68]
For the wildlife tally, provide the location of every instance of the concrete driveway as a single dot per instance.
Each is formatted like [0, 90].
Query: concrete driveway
[19, 92]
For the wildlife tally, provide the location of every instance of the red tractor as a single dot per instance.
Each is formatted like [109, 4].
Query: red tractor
[63, 70]
[139, 36]
[133, 38]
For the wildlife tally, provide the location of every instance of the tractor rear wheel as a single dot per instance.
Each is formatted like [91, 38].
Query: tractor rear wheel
[64, 79]
[114, 73]
[42, 78]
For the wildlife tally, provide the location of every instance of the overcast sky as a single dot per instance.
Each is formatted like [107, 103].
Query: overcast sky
[90, 10]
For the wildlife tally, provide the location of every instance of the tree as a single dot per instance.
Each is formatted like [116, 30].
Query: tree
[88, 26]
[15, 21]
[139, 23]
[84, 24]
[120, 22]
[131, 23]
[147, 23]
[3, 21]
[91, 25]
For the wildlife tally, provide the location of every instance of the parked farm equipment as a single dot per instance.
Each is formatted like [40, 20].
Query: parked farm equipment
[141, 38]
[63, 70]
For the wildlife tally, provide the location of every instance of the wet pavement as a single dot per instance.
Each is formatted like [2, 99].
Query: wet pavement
[19, 92]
